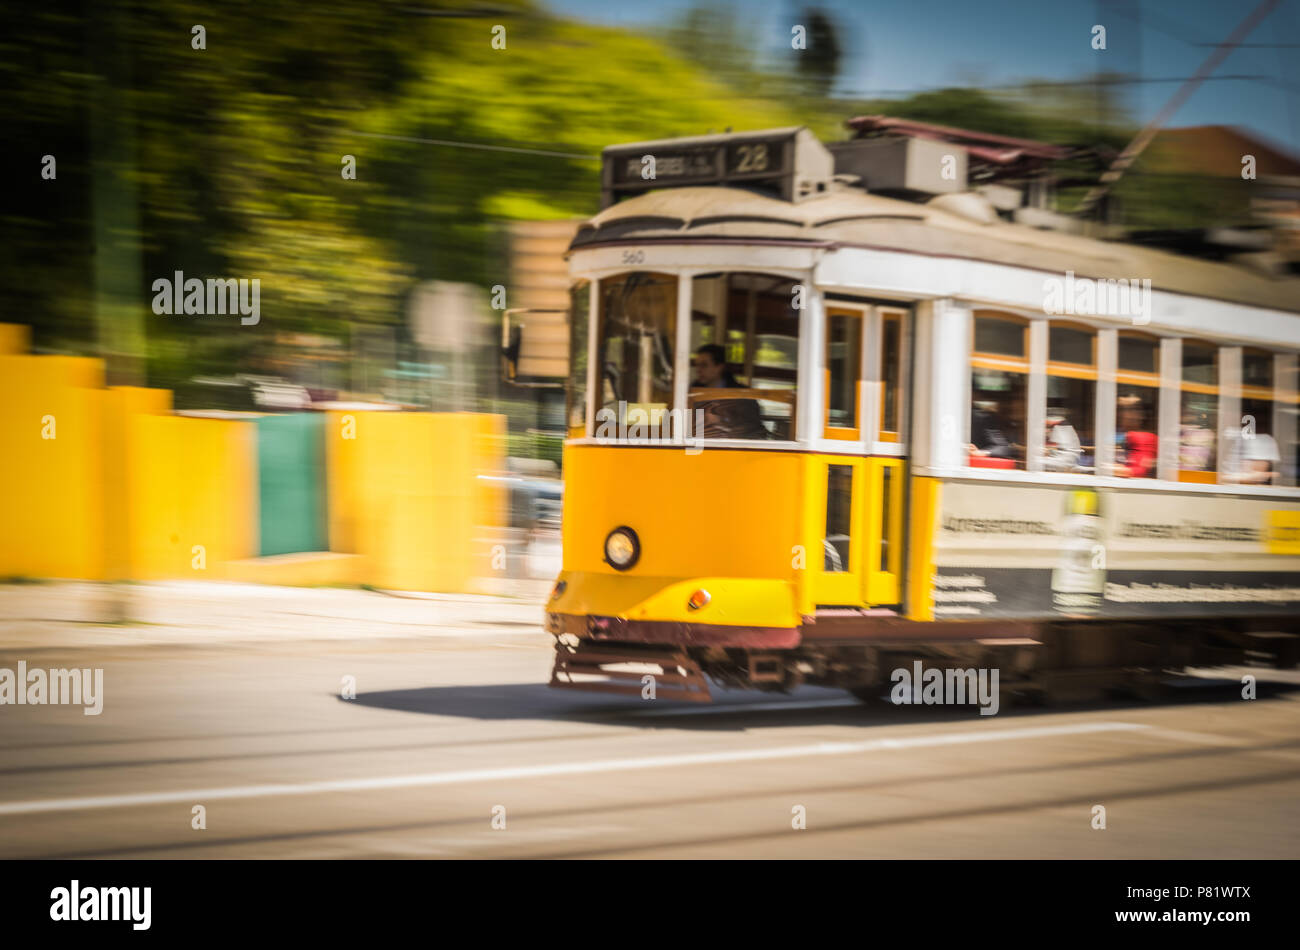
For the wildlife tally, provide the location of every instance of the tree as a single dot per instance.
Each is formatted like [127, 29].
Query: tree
[818, 64]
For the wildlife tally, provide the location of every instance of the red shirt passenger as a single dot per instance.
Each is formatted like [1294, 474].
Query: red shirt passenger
[1140, 454]
[1139, 444]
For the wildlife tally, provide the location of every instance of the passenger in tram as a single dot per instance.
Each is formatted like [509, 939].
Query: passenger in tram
[1196, 441]
[724, 418]
[1062, 449]
[1136, 443]
[990, 446]
[1250, 459]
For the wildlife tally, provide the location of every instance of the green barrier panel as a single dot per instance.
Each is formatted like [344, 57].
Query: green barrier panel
[291, 474]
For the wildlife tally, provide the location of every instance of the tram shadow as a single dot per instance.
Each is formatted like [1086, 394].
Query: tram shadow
[807, 706]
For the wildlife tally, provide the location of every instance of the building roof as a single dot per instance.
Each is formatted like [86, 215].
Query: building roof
[1214, 151]
[999, 149]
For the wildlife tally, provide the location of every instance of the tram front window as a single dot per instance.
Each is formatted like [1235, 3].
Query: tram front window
[638, 325]
[744, 368]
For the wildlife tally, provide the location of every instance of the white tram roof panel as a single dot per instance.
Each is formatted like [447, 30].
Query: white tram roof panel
[849, 216]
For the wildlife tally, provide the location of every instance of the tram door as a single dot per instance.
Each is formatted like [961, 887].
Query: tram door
[861, 560]
[861, 507]
[884, 531]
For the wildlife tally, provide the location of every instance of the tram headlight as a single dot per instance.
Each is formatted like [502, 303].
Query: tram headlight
[622, 548]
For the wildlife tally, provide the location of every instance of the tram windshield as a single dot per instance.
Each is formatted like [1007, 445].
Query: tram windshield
[745, 355]
[743, 360]
[638, 320]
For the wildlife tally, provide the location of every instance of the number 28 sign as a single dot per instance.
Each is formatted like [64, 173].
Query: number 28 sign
[751, 157]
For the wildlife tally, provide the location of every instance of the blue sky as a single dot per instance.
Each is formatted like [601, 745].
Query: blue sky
[901, 45]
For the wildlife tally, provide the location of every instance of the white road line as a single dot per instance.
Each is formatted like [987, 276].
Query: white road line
[1203, 738]
[746, 707]
[201, 795]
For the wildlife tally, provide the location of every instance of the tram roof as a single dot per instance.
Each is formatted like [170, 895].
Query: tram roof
[849, 216]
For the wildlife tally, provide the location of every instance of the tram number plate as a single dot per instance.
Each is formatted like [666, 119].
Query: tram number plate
[753, 157]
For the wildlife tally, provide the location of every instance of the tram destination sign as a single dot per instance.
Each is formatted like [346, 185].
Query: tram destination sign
[786, 163]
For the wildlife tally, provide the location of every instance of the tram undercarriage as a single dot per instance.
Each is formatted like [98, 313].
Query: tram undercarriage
[1038, 662]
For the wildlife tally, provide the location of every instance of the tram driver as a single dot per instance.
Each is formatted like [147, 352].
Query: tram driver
[724, 418]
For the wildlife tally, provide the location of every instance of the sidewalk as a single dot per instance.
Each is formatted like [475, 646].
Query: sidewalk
[83, 614]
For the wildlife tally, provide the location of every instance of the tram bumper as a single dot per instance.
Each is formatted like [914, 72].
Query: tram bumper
[750, 613]
[623, 627]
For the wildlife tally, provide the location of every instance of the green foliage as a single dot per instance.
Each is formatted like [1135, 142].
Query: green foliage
[535, 446]
[232, 156]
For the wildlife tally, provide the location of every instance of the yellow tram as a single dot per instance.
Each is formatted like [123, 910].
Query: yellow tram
[816, 432]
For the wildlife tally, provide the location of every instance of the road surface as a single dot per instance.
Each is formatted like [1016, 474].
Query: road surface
[452, 733]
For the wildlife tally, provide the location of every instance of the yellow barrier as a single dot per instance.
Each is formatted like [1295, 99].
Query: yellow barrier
[191, 494]
[121, 404]
[108, 484]
[15, 338]
[404, 494]
[50, 480]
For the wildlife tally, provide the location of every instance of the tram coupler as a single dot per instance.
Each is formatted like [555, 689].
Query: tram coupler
[679, 676]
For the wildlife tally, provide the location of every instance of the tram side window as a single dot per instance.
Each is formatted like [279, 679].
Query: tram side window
[999, 384]
[891, 373]
[1198, 412]
[1137, 406]
[579, 314]
[843, 359]
[1252, 456]
[1069, 441]
[638, 320]
[751, 394]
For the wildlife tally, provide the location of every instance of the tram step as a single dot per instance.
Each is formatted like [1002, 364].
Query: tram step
[679, 678]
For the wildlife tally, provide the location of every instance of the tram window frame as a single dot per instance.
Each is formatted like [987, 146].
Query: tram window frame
[1128, 379]
[853, 343]
[576, 395]
[1286, 415]
[1086, 373]
[992, 361]
[1208, 475]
